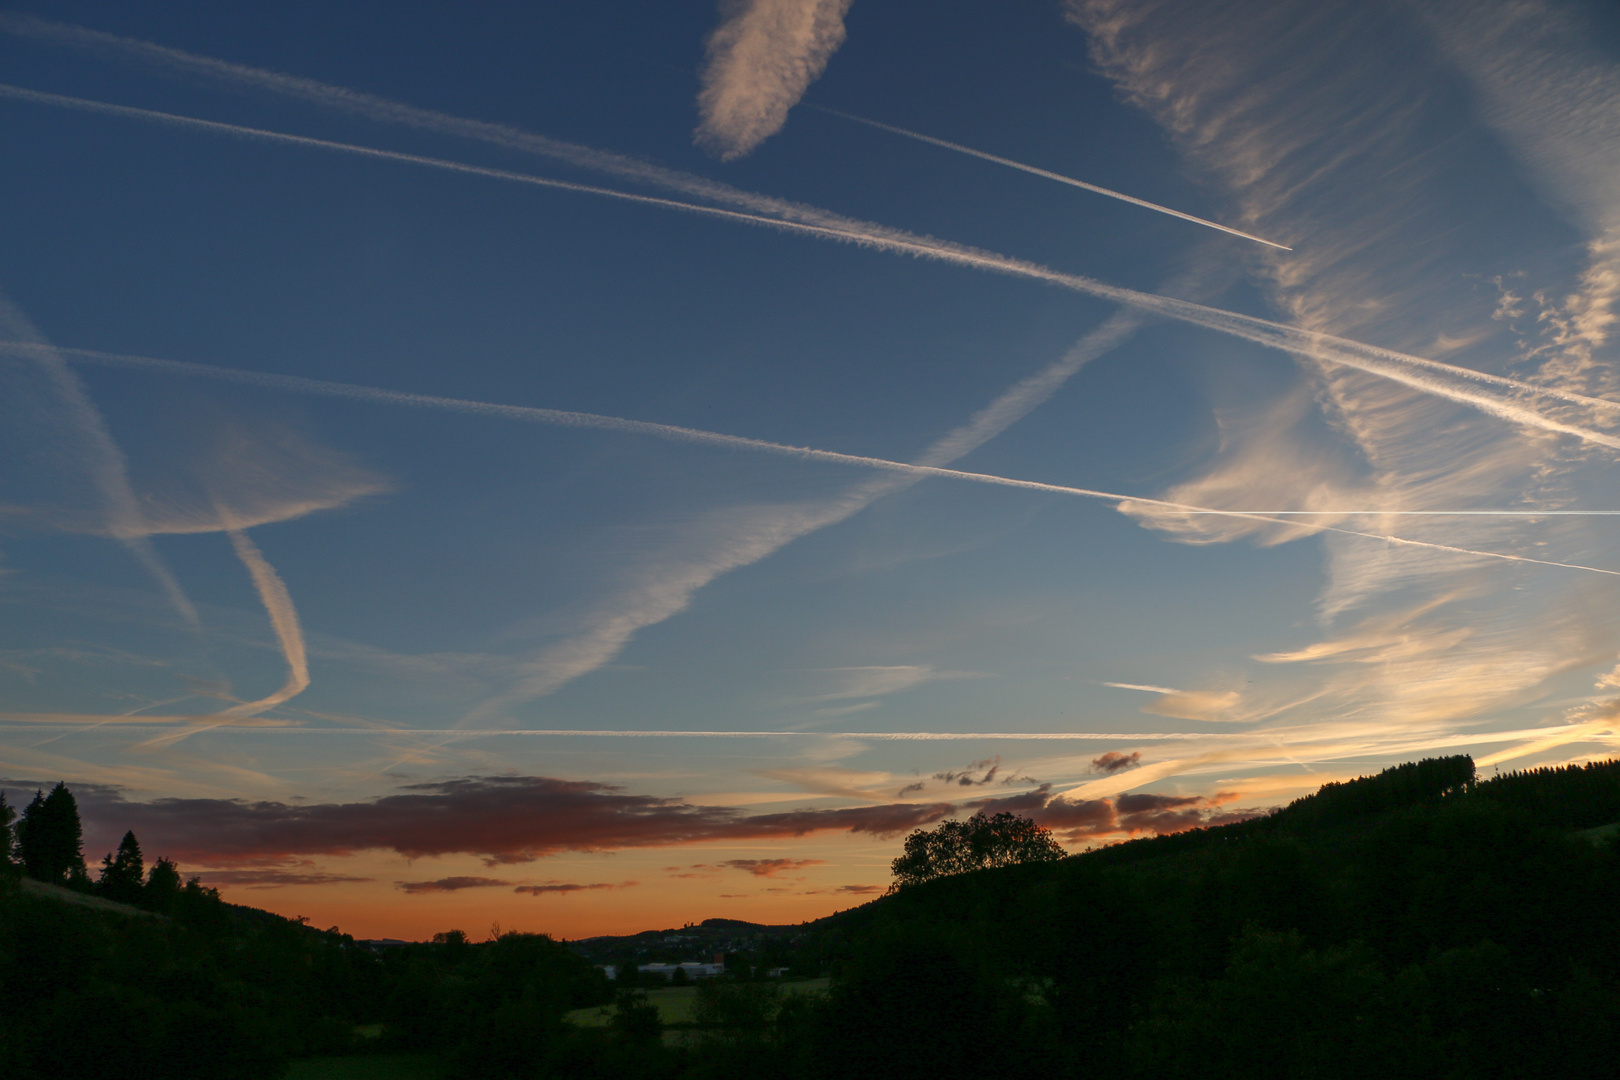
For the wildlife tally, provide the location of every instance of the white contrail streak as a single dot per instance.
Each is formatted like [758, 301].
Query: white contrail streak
[1059, 177]
[102, 458]
[384, 110]
[1385, 363]
[609, 632]
[283, 619]
[670, 432]
[460, 733]
[1138, 686]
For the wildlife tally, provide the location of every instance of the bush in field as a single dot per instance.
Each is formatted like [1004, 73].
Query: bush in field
[737, 1007]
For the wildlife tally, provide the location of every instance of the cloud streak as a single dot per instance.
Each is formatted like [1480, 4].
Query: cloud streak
[565, 887]
[53, 388]
[504, 819]
[1403, 368]
[672, 596]
[510, 820]
[771, 867]
[278, 605]
[761, 59]
[1059, 177]
[449, 884]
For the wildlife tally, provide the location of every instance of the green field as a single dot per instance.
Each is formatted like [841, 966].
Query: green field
[368, 1067]
[676, 1003]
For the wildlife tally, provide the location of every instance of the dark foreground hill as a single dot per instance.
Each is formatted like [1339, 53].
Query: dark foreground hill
[1412, 924]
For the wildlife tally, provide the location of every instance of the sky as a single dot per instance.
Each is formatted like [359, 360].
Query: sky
[587, 469]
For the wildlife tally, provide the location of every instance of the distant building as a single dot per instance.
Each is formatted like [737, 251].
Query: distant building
[693, 969]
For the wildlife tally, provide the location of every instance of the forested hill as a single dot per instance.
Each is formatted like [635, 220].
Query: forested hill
[1418, 923]
[1414, 923]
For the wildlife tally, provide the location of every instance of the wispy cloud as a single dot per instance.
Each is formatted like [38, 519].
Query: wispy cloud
[1557, 101]
[1246, 89]
[1196, 705]
[563, 888]
[177, 62]
[277, 879]
[43, 398]
[1114, 28]
[278, 605]
[771, 867]
[1016, 403]
[862, 682]
[1404, 368]
[761, 59]
[504, 819]
[450, 884]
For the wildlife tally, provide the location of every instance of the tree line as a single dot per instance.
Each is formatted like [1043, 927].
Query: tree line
[46, 843]
[1418, 923]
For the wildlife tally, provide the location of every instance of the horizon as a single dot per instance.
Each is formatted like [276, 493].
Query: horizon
[582, 474]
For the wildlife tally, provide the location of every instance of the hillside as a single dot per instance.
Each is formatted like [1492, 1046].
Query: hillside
[1415, 923]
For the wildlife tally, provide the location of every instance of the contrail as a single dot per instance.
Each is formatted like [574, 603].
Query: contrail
[1426, 513]
[31, 721]
[1385, 363]
[609, 634]
[1137, 686]
[556, 417]
[103, 459]
[1059, 177]
[384, 110]
[283, 619]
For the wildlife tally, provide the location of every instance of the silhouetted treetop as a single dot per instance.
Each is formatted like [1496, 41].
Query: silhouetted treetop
[50, 838]
[955, 847]
[1402, 785]
[122, 875]
[7, 816]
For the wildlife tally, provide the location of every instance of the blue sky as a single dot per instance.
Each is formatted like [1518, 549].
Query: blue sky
[224, 592]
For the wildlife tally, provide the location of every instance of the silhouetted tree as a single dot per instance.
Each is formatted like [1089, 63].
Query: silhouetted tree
[51, 838]
[737, 1007]
[956, 847]
[635, 1019]
[7, 816]
[162, 889]
[122, 874]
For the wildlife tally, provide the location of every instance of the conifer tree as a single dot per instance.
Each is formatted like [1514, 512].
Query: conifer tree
[7, 816]
[51, 838]
[122, 874]
[162, 888]
[29, 847]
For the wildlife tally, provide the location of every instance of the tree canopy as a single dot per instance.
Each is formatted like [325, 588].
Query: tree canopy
[955, 847]
[50, 838]
[122, 875]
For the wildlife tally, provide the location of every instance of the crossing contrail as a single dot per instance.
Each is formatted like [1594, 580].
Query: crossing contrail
[102, 458]
[1059, 177]
[283, 620]
[385, 110]
[1385, 363]
[388, 111]
[670, 432]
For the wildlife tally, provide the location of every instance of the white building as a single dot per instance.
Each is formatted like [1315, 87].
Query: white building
[693, 969]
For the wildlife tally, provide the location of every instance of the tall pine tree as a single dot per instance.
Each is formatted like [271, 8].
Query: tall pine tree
[7, 816]
[122, 874]
[50, 838]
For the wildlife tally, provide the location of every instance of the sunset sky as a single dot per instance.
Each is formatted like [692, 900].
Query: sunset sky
[556, 465]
